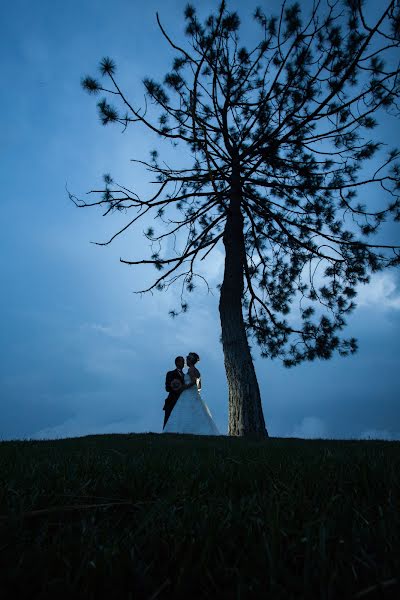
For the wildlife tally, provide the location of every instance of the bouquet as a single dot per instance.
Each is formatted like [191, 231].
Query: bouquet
[176, 385]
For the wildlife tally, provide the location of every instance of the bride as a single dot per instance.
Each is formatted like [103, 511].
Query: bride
[190, 413]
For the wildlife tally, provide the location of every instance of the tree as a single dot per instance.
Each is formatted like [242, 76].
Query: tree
[281, 143]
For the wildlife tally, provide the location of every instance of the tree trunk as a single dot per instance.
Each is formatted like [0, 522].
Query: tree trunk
[245, 410]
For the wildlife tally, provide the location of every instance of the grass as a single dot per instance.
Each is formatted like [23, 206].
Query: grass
[169, 516]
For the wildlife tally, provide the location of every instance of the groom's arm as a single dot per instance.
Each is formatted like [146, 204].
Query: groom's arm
[168, 380]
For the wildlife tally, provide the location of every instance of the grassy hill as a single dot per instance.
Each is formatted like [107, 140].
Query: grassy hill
[170, 516]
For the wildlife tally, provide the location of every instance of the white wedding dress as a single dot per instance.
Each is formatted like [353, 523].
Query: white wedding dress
[191, 414]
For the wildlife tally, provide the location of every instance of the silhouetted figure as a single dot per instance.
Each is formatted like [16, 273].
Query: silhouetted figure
[191, 414]
[173, 378]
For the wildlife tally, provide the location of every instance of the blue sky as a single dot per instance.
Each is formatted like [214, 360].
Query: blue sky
[80, 352]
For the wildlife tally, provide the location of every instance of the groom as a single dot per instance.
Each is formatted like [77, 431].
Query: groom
[175, 390]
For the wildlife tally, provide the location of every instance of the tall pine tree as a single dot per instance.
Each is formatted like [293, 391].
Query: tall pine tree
[282, 146]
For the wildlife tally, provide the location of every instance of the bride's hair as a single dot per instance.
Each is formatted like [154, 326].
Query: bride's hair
[195, 357]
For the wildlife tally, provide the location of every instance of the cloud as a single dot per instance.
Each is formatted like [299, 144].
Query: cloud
[212, 268]
[381, 292]
[77, 427]
[115, 330]
[199, 331]
[314, 427]
[114, 362]
[379, 434]
[309, 428]
[104, 412]
[107, 350]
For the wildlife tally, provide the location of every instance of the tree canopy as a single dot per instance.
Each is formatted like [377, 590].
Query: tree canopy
[293, 119]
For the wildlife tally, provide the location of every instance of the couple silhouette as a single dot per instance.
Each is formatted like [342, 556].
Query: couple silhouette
[184, 409]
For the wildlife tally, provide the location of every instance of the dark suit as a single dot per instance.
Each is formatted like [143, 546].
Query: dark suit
[173, 395]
